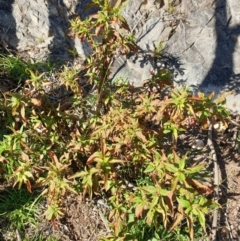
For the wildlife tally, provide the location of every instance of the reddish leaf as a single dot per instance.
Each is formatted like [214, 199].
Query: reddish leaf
[24, 157]
[140, 135]
[205, 123]
[53, 221]
[94, 16]
[164, 158]
[195, 98]
[22, 112]
[139, 210]
[169, 201]
[29, 186]
[111, 214]
[176, 157]
[36, 102]
[118, 36]
[203, 189]
[26, 146]
[92, 158]
[190, 226]
[178, 219]
[98, 29]
[124, 25]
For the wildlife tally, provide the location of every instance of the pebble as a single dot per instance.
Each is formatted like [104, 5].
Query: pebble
[198, 144]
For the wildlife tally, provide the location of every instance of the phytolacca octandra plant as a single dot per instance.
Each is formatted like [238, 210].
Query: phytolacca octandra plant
[107, 33]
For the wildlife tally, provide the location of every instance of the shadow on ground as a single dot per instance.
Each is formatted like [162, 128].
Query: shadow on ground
[221, 73]
[8, 24]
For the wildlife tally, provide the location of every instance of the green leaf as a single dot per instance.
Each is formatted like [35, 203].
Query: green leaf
[202, 220]
[150, 168]
[183, 203]
[156, 236]
[154, 202]
[175, 133]
[164, 192]
[195, 169]
[150, 216]
[53, 211]
[190, 108]
[131, 218]
[181, 177]
[174, 183]
[202, 201]
[166, 131]
[195, 211]
[149, 189]
[182, 164]
[92, 171]
[171, 167]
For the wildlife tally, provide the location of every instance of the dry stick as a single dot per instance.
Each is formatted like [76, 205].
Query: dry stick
[235, 135]
[104, 221]
[234, 146]
[102, 86]
[18, 236]
[216, 180]
[229, 228]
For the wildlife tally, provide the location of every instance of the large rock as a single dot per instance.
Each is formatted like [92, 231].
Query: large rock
[202, 35]
[149, 22]
[207, 42]
[40, 28]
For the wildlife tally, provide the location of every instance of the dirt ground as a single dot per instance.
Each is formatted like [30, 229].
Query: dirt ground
[228, 155]
[85, 221]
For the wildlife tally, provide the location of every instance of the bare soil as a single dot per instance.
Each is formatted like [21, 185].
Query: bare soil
[228, 155]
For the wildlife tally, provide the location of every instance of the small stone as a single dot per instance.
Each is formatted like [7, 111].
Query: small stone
[199, 144]
[235, 212]
[219, 126]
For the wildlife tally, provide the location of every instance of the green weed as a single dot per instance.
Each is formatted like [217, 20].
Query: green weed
[19, 207]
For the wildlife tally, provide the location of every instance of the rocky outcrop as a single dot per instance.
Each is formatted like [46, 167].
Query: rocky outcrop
[40, 28]
[200, 39]
[207, 40]
[152, 26]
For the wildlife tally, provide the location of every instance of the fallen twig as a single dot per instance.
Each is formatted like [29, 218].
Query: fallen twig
[235, 132]
[216, 180]
[18, 236]
[229, 228]
[104, 221]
